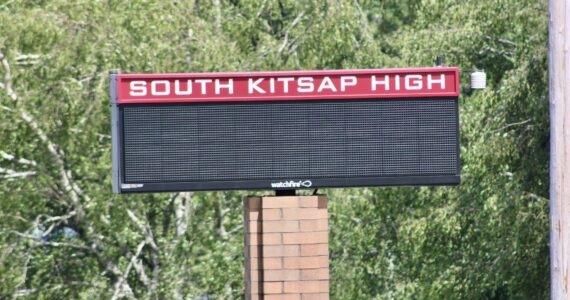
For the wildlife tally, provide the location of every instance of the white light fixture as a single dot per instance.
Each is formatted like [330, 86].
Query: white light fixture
[478, 80]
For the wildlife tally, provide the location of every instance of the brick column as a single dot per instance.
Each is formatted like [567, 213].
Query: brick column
[286, 248]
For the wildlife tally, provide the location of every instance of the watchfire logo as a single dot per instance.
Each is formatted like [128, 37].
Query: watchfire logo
[291, 184]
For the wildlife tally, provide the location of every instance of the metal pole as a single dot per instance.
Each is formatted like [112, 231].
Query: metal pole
[285, 192]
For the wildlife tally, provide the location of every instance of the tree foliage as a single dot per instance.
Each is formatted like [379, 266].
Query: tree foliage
[64, 235]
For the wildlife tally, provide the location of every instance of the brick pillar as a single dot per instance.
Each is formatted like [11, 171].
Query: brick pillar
[286, 248]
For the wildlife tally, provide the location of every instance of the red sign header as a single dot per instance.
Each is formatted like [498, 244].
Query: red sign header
[288, 85]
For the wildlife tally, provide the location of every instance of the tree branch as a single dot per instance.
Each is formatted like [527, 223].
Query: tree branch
[9, 173]
[121, 287]
[149, 239]
[218, 20]
[7, 84]
[147, 232]
[142, 274]
[182, 212]
[57, 155]
[509, 126]
[21, 161]
[286, 37]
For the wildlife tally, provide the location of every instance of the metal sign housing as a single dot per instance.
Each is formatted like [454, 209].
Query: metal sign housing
[285, 130]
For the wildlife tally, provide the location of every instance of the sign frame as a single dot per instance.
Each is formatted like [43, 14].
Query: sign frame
[118, 99]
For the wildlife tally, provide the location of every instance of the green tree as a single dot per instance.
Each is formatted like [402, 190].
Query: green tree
[63, 235]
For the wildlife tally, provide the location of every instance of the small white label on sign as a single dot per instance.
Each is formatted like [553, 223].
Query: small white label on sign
[131, 185]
